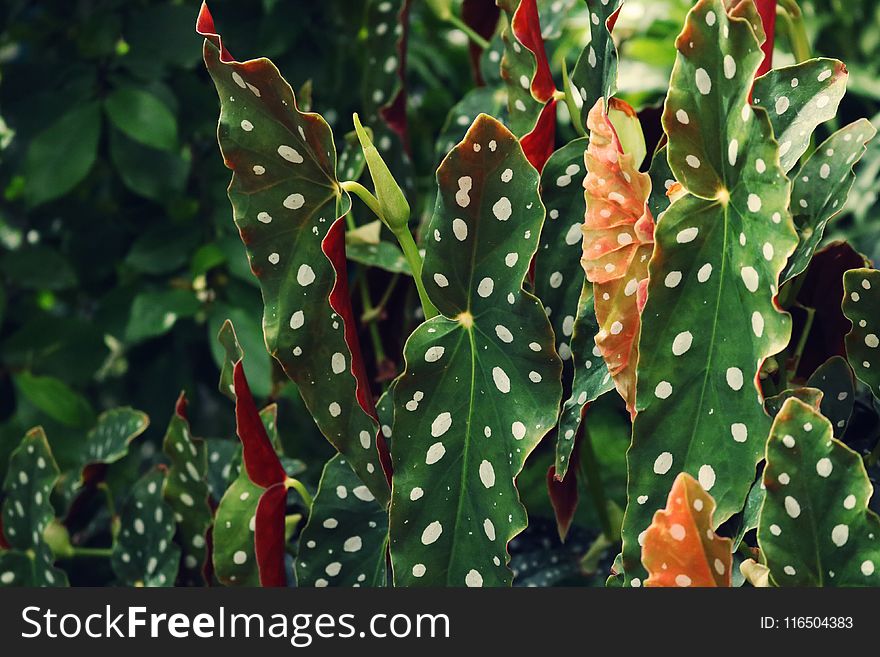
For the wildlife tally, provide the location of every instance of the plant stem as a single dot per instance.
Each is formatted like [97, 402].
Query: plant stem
[374, 314]
[793, 18]
[414, 258]
[588, 468]
[573, 111]
[87, 552]
[468, 30]
[297, 485]
[404, 238]
[802, 339]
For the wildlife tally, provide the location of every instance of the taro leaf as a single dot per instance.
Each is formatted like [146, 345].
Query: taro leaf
[798, 98]
[346, 538]
[815, 528]
[530, 87]
[861, 305]
[30, 476]
[591, 379]
[145, 553]
[618, 242]
[595, 73]
[284, 183]
[235, 563]
[482, 380]
[821, 187]
[384, 255]
[835, 379]
[680, 547]
[559, 276]
[186, 489]
[483, 100]
[699, 406]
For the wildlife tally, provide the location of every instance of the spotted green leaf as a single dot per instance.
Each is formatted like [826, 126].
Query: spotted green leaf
[224, 465]
[591, 379]
[719, 251]
[835, 379]
[235, 563]
[27, 511]
[346, 538]
[815, 528]
[482, 100]
[482, 380]
[284, 184]
[524, 67]
[145, 553]
[106, 443]
[559, 276]
[186, 490]
[798, 98]
[861, 305]
[821, 187]
[385, 47]
[595, 73]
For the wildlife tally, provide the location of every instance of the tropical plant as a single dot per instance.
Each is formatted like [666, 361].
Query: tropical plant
[630, 296]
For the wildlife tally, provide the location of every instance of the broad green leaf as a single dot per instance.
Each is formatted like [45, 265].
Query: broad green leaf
[284, 183]
[680, 547]
[699, 408]
[815, 528]
[27, 512]
[55, 399]
[591, 379]
[595, 74]
[145, 553]
[235, 563]
[799, 98]
[524, 66]
[618, 243]
[61, 155]
[821, 187]
[149, 172]
[835, 379]
[861, 305]
[559, 276]
[155, 313]
[384, 255]
[186, 490]
[482, 379]
[346, 538]
[38, 267]
[142, 116]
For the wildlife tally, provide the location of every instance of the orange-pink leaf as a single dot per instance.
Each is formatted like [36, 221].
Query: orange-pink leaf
[680, 547]
[618, 242]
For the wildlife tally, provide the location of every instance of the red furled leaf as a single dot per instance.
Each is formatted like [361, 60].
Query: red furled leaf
[618, 242]
[767, 10]
[538, 144]
[269, 536]
[527, 29]
[260, 459]
[340, 300]
[564, 492]
[680, 548]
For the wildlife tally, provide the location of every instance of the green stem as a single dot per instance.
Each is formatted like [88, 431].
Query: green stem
[468, 30]
[298, 486]
[414, 258]
[796, 29]
[404, 238]
[589, 470]
[87, 552]
[573, 111]
[802, 339]
[376, 312]
[363, 194]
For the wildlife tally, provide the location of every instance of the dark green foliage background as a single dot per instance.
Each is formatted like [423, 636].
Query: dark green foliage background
[119, 259]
